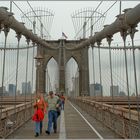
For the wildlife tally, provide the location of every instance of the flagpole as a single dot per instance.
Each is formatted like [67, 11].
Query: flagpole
[62, 31]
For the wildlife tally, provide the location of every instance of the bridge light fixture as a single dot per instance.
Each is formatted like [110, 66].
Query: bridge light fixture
[38, 58]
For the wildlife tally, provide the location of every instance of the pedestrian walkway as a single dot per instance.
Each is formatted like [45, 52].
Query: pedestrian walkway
[71, 125]
[76, 127]
[27, 131]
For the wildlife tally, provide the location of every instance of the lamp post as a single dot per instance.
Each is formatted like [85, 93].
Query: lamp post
[73, 87]
[38, 60]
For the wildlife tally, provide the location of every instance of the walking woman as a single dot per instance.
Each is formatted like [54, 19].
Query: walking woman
[40, 109]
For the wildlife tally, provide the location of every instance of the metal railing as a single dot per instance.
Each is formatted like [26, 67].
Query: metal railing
[116, 117]
[8, 124]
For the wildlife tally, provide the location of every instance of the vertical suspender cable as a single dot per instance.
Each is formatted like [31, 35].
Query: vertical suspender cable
[109, 39]
[120, 7]
[11, 5]
[33, 53]
[123, 34]
[47, 81]
[17, 66]
[32, 73]
[6, 30]
[93, 72]
[132, 32]
[26, 75]
[100, 74]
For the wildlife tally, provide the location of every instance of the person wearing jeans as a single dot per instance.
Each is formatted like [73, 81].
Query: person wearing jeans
[40, 108]
[52, 116]
[52, 102]
[62, 101]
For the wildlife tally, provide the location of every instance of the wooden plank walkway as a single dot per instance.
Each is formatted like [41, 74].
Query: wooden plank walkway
[70, 126]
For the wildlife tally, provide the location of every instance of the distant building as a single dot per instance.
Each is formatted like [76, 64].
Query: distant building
[96, 89]
[122, 93]
[26, 88]
[115, 90]
[3, 91]
[11, 89]
[91, 90]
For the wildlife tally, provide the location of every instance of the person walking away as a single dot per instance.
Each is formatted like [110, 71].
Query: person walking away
[58, 109]
[52, 102]
[62, 101]
[40, 108]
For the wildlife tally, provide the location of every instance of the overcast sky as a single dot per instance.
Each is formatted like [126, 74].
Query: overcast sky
[64, 9]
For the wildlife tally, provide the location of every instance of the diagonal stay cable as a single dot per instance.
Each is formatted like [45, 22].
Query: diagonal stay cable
[25, 15]
[89, 18]
[102, 15]
[37, 17]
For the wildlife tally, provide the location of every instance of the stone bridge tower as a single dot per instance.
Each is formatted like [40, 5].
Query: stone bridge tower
[62, 52]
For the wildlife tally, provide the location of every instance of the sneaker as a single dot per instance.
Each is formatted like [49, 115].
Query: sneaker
[37, 134]
[47, 132]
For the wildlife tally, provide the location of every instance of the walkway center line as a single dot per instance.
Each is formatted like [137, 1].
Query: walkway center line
[87, 122]
[62, 133]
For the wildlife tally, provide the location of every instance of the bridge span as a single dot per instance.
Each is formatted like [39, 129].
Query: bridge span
[98, 70]
[73, 123]
[83, 117]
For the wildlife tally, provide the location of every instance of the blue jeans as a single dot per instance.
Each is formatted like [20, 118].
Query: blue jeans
[38, 127]
[52, 118]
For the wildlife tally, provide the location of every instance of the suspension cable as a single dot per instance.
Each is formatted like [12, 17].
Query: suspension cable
[102, 15]
[25, 15]
[37, 17]
[93, 72]
[135, 76]
[17, 66]
[26, 78]
[88, 18]
[6, 30]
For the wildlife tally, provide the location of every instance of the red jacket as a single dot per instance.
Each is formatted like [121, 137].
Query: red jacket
[38, 115]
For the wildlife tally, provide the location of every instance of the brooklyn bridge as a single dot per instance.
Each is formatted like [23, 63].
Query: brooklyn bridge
[93, 60]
